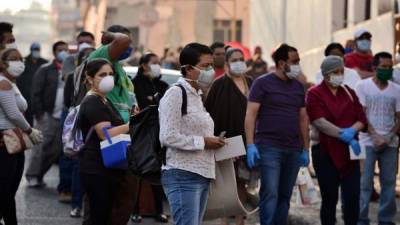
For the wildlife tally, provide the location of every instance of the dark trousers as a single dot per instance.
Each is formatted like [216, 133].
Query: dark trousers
[329, 181]
[158, 195]
[11, 169]
[109, 198]
[101, 191]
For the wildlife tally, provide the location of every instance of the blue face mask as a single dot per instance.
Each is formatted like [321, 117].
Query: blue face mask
[126, 54]
[364, 45]
[61, 56]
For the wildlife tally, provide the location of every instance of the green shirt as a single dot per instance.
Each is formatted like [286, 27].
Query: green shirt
[122, 96]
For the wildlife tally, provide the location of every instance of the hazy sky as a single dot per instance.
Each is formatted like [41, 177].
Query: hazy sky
[15, 5]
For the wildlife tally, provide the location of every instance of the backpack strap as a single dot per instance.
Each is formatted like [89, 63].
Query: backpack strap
[184, 99]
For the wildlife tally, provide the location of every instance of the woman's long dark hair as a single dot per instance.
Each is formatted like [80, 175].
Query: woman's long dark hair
[144, 60]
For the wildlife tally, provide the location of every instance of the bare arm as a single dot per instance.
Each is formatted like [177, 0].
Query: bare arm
[304, 128]
[120, 42]
[250, 121]
[115, 131]
[327, 127]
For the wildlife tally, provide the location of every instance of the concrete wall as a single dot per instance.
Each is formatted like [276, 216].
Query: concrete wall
[304, 24]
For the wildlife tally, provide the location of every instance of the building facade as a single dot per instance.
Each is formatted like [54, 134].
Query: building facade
[311, 25]
[156, 24]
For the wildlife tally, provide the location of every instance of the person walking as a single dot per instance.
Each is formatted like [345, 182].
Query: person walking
[381, 101]
[12, 107]
[188, 135]
[338, 116]
[277, 137]
[47, 107]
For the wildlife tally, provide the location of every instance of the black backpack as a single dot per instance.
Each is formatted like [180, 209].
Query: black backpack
[145, 154]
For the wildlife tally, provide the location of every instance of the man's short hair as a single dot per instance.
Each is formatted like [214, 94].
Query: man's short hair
[58, 43]
[85, 34]
[282, 53]
[118, 29]
[380, 55]
[332, 46]
[5, 27]
[216, 45]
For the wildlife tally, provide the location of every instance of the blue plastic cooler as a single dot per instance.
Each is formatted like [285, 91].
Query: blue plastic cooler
[113, 150]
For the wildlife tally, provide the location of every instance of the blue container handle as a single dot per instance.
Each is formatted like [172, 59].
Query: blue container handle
[105, 131]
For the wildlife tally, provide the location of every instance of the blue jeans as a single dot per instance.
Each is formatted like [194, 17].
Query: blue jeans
[278, 169]
[187, 195]
[387, 161]
[76, 185]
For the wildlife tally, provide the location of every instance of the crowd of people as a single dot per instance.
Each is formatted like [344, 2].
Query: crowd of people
[351, 112]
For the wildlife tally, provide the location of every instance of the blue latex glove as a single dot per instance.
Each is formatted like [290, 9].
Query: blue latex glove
[252, 155]
[356, 147]
[347, 134]
[305, 158]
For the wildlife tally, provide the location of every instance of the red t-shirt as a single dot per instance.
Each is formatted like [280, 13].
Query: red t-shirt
[358, 60]
[341, 111]
[218, 72]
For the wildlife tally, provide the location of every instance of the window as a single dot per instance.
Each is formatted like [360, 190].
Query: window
[223, 30]
[384, 6]
[367, 9]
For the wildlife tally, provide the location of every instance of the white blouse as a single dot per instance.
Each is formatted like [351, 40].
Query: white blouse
[184, 135]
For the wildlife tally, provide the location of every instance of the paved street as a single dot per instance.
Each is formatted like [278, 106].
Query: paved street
[41, 207]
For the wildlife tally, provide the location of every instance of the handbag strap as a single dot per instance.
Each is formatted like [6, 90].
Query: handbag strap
[348, 93]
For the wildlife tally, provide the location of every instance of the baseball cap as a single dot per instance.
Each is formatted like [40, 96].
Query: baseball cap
[35, 45]
[359, 32]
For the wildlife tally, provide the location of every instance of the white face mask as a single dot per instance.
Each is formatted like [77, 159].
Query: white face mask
[15, 68]
[106, 84]
[238, 68]
[206, 77]
[11, 45]
[336, 79]
[155, 70]
[294, 72]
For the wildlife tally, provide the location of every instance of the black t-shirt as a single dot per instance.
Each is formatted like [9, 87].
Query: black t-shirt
[94, 110]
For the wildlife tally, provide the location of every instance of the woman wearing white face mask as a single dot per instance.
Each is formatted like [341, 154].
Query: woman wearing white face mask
[148, 81]
[99, 183]
[227, 102]
[149, 88]
[338, 116]
[12, 107]
[187, 131]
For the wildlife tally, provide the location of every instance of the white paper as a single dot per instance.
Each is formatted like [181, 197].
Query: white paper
[362, 155]
[234, 147]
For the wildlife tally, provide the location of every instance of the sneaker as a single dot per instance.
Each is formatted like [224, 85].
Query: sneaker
[35, 183]
[75, 213]
[162, 218]
[136, 218]
[64, 197]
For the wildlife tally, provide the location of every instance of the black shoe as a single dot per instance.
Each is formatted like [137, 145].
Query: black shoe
[136, 218]
[162, 218]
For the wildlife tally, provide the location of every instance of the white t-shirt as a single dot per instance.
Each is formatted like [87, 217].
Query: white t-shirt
[396, 75]
[59, 103]
[351, 77]
[381, 107]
